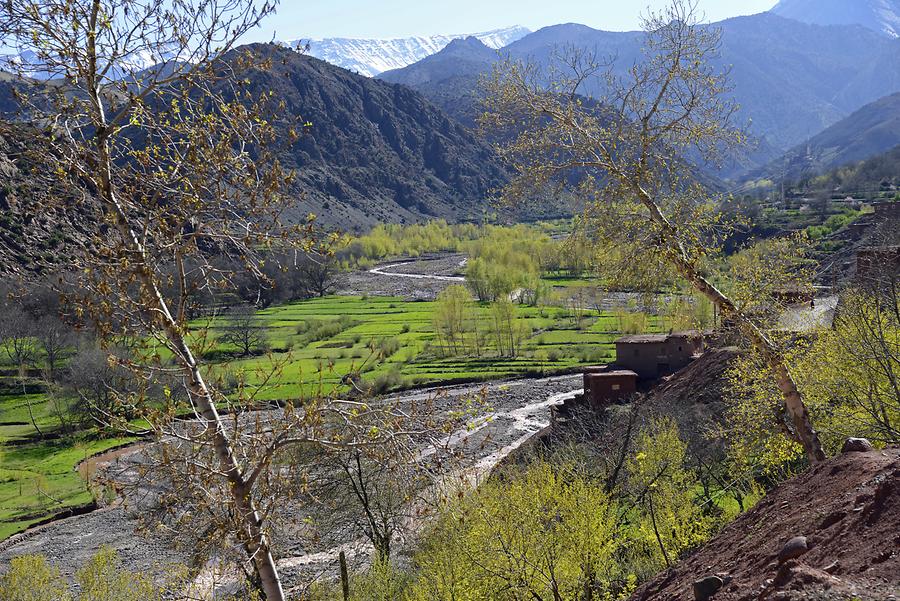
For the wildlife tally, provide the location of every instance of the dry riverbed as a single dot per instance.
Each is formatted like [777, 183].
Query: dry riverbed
[513, 411]
[421, 278]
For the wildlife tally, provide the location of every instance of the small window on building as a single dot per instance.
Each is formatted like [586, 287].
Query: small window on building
[616, 387]
[680, 349]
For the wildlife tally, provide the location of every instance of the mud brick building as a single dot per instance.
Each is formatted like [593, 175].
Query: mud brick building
[652, 356]
[606, 386]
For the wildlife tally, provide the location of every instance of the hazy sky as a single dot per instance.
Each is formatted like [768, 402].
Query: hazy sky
[401, 18]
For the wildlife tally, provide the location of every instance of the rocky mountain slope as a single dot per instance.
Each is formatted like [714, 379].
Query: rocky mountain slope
[373, 56]
[882, 16]
[373, 151]
[831, 533]
[30, 237]
[815, 75]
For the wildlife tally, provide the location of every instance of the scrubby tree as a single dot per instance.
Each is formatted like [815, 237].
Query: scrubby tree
[660, 483]
[545, 534]
[101, 578]
[507, 329]
[173, 173]
[31, 578]
[17, 332]
[243, 329]
[850, 372]
[452, 317]
[853, 370]
[628, 154]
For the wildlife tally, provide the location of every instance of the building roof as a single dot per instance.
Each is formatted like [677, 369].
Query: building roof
[657, 338]
[617, 373]
[643, 339]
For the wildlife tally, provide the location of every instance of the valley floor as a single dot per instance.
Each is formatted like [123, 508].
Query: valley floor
[515, 410]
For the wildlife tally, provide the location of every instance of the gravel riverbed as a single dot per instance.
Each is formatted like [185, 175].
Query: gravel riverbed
[512, 412]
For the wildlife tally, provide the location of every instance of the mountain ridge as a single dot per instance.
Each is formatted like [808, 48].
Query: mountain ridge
[373, 152]
[370, 56]
[882, 16]
[868, 132]
[816, 76]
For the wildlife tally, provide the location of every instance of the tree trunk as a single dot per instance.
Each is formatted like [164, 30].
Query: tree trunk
[252, 536]
[803, 430]
[30, 410]
[659, 540]
[345, 578]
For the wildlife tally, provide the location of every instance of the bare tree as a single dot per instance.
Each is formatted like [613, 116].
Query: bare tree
[16, 340]
[166, 168]
[371, 490]
[101, 389]
[628, 152]
[244, 330]
[55, 340]
[317, 272]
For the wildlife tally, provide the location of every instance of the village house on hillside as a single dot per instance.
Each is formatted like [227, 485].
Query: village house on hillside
[640, 359]
[652, 356]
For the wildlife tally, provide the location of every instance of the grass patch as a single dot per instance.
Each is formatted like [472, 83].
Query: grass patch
[38, 477]
[389, 341]
[392, 342]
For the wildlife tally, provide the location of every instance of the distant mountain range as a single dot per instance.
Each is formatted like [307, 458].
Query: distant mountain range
[882, 16]
[791, 79]
[373, 56]
[872, 130]
[377, 151]
[367, 57]
[373, 152]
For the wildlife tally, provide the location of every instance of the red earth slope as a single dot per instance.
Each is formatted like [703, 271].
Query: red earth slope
[848, 508]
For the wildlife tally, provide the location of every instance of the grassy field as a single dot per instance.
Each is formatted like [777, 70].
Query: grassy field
[38, 477]
[350, 334]
[389, 341]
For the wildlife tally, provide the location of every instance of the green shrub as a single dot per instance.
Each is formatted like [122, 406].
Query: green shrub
[31, 578]
[386, 347]
[102, 578]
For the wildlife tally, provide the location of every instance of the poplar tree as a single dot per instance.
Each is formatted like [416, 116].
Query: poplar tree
[628, 153]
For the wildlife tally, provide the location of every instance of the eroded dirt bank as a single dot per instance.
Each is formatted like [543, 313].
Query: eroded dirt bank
[847, 510]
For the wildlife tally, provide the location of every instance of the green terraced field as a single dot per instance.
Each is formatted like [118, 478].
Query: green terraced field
[318, 341]
[555, 344]
[38, 477]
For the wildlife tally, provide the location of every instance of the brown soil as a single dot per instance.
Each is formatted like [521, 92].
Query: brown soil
[849, 510]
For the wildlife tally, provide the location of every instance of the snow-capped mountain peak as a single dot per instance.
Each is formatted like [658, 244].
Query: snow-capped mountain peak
[882, 16]
[373, 56]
